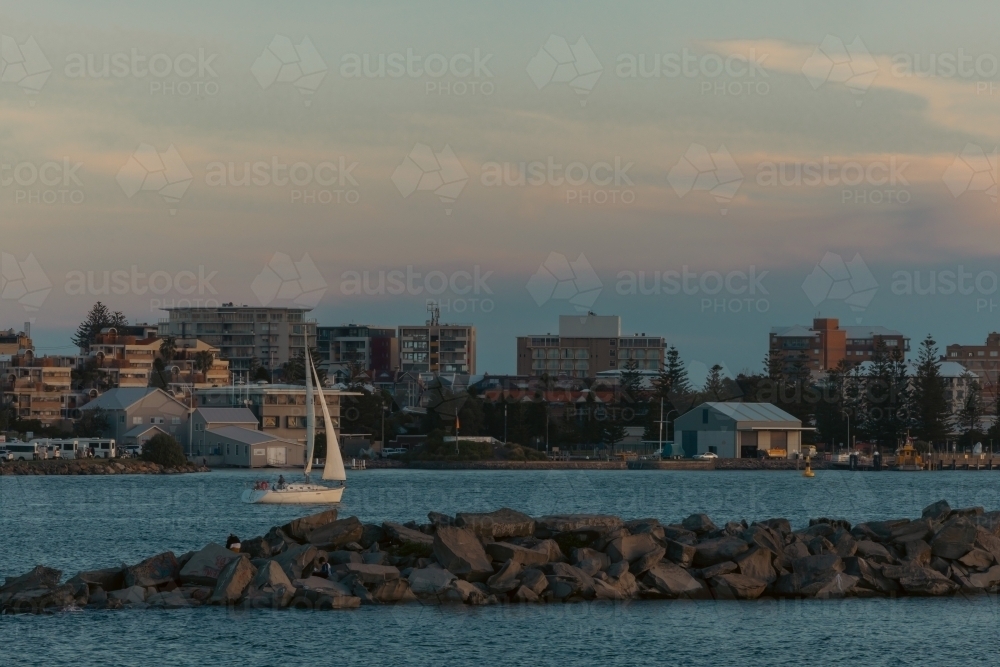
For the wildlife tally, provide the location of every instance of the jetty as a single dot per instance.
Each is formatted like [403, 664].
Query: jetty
[323, 562]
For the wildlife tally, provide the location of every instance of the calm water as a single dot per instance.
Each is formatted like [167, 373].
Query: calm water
[75, 523]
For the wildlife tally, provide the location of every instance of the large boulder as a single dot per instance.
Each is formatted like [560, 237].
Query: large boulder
[938, 511]
[843, 543]
[373, 574]
[989, 542]
[680, 553]
[277, 541]
[233, 581]
[631, 547]
[738, 586]
[394, 591]
[506, 579]
[698, 524]
[535, 580]
[459, 551]
[647, 560]
[108, 579]
[430, 581]
[954, 539]
[925, 581]
[503, 551]
[155, 571]
[989, 521]
[811, 565]
[987, 580]
[918, 552]
[567, 581]
[561, 523]
[763, 537]
[976, 559]
[502, 523]
[205, 565]
[590, 559]
[256, 547]
[464, 591]
[870, 576]
[297, 561]
[710, 552]
[37, 600]
[911, 531]
[873, 551]
[299, 529]
[672, 580]
[337, 534]
[756, 563]
[38, 577]
[174, 599]
[130, 595]
[269, 589]
[400, 534]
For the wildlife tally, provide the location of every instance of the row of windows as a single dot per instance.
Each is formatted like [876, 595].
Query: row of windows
[638, 354]
[137, 421]
[564, 353]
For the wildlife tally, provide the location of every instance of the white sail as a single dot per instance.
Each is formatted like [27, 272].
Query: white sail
[310, 416]
[334, 468]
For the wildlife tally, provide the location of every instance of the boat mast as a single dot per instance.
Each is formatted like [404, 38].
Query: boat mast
[310, 416]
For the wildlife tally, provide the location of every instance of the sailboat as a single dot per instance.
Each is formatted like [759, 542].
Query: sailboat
[306, 492]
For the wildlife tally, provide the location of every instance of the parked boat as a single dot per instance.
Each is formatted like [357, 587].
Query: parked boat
[908, 458]
[307, 492]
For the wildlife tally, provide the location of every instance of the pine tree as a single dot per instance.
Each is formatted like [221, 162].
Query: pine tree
[98, 318]
[972, 410]
[715, 388]
[930, 407]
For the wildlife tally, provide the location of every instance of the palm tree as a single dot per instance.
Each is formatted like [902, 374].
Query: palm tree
[168, 349]
[203, 360]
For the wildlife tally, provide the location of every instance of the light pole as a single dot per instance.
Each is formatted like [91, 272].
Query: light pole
[505, 422]
[665, 421]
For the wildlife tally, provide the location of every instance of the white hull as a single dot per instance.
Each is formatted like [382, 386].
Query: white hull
[295, 494]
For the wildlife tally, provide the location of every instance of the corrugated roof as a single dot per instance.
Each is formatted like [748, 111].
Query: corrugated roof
[136, 431]
[228, 415]
[750, 412]
[247, 436]
[796, 331]
[120, 398]
[868, 332]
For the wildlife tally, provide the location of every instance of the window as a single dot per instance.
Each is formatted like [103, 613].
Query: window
[713, 449]
[175, 420]
[704, 416]
[270, 422]
[296, 422]
[136, 420]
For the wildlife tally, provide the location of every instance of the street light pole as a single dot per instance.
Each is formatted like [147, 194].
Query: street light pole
[505, 422]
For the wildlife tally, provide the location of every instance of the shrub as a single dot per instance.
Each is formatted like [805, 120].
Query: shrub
[163, 449]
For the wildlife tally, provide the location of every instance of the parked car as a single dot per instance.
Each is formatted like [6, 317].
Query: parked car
[133, 451]
[707, 456]
[6, 455]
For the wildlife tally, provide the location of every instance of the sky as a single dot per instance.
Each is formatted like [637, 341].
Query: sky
[704, 170]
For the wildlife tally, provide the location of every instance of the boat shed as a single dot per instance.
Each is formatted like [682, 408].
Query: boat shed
[738, 430]
[247, 448]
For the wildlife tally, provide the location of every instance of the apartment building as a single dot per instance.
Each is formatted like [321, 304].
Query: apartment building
[280, 409]
[41, 388]
[437, 348]
[373, 348]
[12, 342]
[983, 361]
[822, 346]
[243, 334]
[587, 345]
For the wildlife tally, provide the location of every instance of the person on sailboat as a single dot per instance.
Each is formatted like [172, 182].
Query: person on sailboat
[281, 481]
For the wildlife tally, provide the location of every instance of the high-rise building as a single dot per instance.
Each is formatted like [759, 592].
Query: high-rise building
[587, 345]
[822, 346]
[242, 334]
[437, 348]
[372, 348]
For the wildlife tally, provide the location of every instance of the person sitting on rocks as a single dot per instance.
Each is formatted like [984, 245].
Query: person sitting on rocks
[233, 543]
[324, 568]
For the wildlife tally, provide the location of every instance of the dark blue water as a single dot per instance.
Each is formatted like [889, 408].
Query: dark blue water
[75, 523]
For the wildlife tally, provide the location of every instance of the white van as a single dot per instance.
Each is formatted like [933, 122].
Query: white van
[24, 451]
[104, 448]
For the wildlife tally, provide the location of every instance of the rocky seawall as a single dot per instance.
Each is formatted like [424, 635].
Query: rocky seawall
[95, 467]
[504, 557]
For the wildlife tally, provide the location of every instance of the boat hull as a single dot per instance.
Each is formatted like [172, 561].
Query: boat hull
[295, 494]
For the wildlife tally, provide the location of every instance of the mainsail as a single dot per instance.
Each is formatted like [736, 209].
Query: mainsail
[334, 468]
[310, 416]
